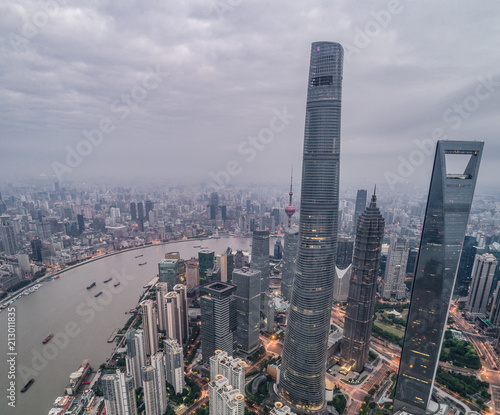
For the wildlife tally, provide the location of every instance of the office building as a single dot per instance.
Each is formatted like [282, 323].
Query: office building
[135, 358]
[302, 379]
[223, 399]
[447, 212]
[3, 206]
[230, 264]
[483, 274]
[395, 269]
[218, 318]
[362, 288]
[192, 274]
[223, 267]
[360, 206]
[8, 242]
[149, 319]
[247, 297]
[174, 365]
[341, 284]
[232, 368]
[239, 259]
[206, 261]
[278, 250]
[181, 265]
[168, 272]
[464, 273]
[181, 290]
[289, 261]
[494, 316]
[260, 259]
[119, 394]
[133, 211]
[345, 249]
[36, 250]
[140, 211]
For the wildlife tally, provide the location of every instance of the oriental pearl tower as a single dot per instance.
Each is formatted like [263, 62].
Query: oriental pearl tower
[290, 210]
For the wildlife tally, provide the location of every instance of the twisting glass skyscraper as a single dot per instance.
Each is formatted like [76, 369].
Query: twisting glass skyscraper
[362, 288]
[448, 207]
[302, 379]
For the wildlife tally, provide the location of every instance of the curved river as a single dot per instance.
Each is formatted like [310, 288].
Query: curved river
[81, 323]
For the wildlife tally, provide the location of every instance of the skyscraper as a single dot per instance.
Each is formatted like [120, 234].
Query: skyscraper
[135, 358]
[168, 271]
[260, 258]
[174, 365]
[448, 206]
[247, 296]
[395, 269]
[483, 273]
[360, 206]
[362, 288]
[224, 399]
[173, 314]
[232, 368]
[161, 291]
[158, 364]
[133, 211]
[150, 327]
[119, 394]
[151, 390]
[183, 310]
[302, 379]
[218, 318]
[464, 272]
[206, 261]
[192, 274]
[8, 243]
[289, 261]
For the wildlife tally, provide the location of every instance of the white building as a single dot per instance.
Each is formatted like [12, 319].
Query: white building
[233, 369]
[174, 365]
[224, 399]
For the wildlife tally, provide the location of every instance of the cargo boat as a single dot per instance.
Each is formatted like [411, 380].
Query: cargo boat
[27, 386]
[142, 263]
[47, 339]
[77, 378]
[138, 256]
[98, 294]
[108, 280]
[91, 285]
[116, 285]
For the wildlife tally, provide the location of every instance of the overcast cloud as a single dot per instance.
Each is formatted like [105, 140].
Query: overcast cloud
[223, 69]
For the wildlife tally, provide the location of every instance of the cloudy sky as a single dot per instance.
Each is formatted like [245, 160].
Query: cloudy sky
[172, 90]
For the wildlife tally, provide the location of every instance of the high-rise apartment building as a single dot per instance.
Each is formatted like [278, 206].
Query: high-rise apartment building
[289, 261]
[232, 368]
[362, 288]
[173, 315]
[161, 292]
[135, 358]
[224, 400]
[218, 318]
[181, 290]
[119, 394]
[151, 391]
[483, 274]
[174, 365]
[149, 323]
[448, 207]
[302, 379]
[395, 269]
[247, 296]
[158, 364]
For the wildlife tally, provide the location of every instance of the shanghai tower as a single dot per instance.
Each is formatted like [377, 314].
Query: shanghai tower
[302, 372]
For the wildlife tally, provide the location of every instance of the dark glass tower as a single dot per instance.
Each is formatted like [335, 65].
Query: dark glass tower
[302, 378]
[360, 206]
[446, 216]
[362, 288]
[260, 259]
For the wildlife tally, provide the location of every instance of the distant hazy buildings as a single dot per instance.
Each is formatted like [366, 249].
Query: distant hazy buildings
[360, 206]
[483, 274]
[218, 318]
[119, 394]
[289, 261]
[362, 288]
[247, 297]
[302, 379]
[174, 365]
[448, 206]
[8, 243]
[395, 269]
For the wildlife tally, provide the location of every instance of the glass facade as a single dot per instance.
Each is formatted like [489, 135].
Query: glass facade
[289, 261]
[445, 222]
[260, 259]
[362, 288]
[302, 377]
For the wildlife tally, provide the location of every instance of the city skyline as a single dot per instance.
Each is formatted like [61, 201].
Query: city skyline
[232, 67]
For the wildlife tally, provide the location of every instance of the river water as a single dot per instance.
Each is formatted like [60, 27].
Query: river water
[81, 323]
